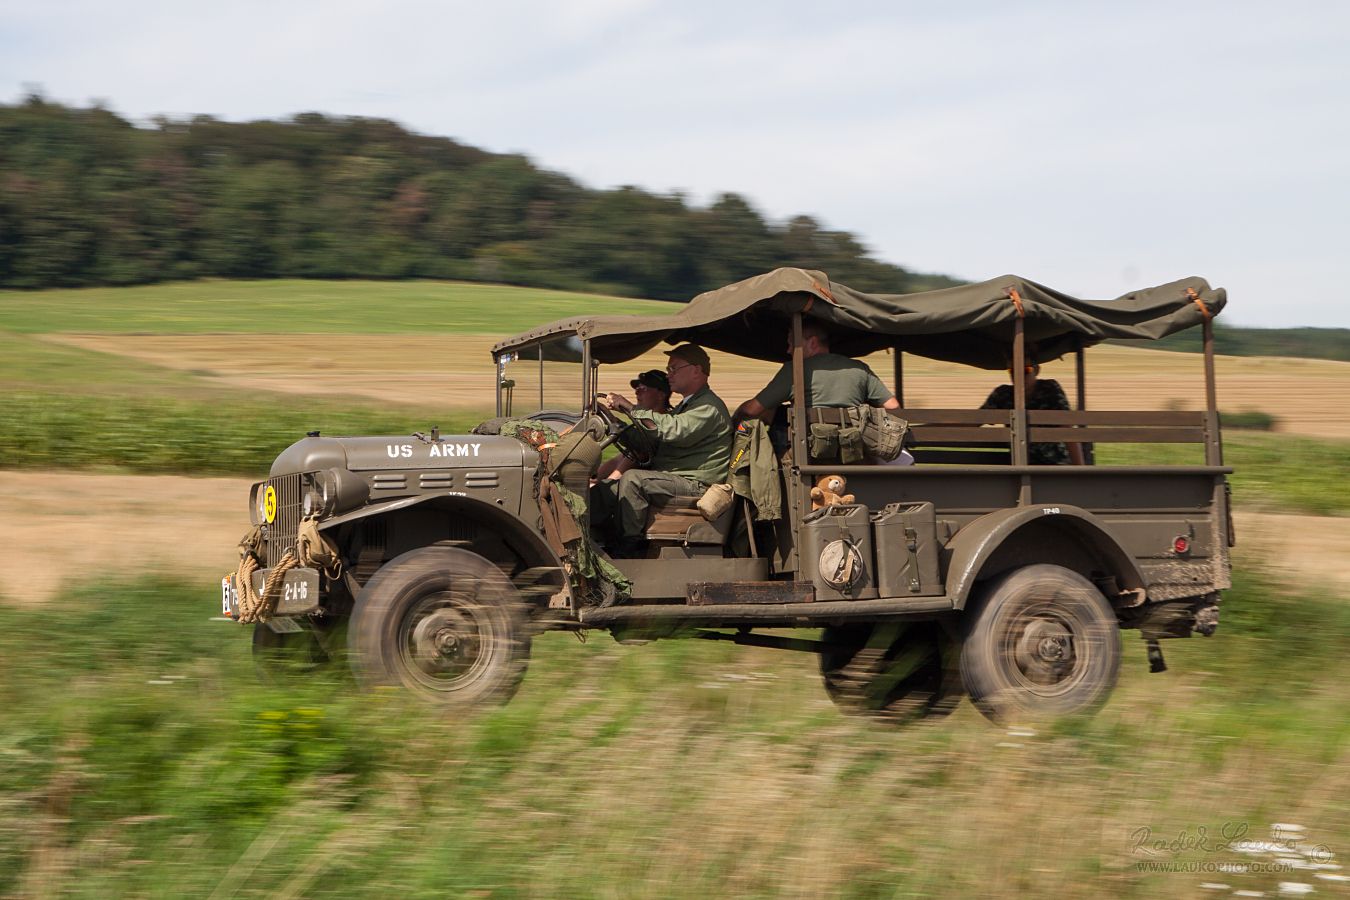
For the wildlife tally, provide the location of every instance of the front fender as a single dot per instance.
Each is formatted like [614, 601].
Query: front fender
[518, 534]
[974, 544]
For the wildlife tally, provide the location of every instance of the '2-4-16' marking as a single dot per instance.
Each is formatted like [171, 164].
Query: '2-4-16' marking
[229, 597]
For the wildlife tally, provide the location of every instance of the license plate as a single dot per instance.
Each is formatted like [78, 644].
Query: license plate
[229, 598]
[299, 591]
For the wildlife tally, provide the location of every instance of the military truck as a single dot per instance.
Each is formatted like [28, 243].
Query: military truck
[971, 571]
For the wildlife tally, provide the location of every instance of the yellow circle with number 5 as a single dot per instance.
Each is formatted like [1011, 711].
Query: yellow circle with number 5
[270, 504]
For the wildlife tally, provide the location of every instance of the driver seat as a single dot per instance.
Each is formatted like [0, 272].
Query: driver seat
[678, 524]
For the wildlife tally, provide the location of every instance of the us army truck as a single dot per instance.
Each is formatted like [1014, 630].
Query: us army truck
[433, 560]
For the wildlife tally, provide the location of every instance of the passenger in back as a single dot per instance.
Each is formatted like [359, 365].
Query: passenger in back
[1041, 393]
[833, 382]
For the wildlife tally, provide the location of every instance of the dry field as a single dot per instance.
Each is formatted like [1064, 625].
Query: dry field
[1307, 397]
[62, 527]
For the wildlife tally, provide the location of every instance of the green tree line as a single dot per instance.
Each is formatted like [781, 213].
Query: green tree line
[1297, 343]
[86, 198]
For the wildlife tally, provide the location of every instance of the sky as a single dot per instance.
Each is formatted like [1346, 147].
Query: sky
[1092, 147]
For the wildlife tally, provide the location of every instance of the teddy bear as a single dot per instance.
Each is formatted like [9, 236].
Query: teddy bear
[829, 491]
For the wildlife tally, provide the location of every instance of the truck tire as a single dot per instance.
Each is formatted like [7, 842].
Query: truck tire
[909, 674]
[445, 624]
[1042, 642]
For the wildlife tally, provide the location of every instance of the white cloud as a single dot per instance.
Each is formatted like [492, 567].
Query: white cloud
[1063, 141]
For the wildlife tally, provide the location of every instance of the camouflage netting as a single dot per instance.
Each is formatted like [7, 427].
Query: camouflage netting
[595, 581]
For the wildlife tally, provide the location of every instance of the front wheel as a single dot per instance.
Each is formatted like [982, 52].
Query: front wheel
[1044, 642]
[895, 672]
[444, 623]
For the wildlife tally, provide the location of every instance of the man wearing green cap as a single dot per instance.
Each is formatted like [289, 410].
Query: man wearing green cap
[693, 451]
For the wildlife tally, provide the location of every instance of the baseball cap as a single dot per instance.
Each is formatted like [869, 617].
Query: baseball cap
[694, 355]
[653, 378]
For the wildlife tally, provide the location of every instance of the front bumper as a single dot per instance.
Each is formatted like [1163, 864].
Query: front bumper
[299, 593]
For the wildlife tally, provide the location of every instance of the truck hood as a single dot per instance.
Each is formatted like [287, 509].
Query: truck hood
[459, 451]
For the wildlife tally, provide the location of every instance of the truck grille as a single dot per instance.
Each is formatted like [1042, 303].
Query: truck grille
[283, 530]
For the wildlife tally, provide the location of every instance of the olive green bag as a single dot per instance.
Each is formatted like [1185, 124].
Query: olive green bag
[823, 441]
[883, 435]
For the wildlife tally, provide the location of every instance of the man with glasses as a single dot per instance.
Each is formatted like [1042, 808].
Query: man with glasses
[693, 451]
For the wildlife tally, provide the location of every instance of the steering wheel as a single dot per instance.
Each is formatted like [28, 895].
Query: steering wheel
[633, 440]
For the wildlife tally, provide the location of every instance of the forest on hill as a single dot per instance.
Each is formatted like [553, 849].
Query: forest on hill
[86, 198]
[1298, 343]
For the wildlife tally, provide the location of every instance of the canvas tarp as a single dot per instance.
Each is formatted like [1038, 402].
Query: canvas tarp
[971, 324]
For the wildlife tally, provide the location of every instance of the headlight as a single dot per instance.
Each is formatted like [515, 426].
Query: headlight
[257, 513]
[336, 491]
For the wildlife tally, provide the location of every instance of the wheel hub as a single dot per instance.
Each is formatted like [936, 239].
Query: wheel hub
[1045, 652]
[443, 642]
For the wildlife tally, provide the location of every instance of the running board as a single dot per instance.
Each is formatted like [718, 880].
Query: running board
[790, 613]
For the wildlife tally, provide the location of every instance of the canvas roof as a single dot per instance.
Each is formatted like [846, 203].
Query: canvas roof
[971, 324]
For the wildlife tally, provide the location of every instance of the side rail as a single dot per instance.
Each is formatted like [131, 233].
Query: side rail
[960, 436]
[976, 436]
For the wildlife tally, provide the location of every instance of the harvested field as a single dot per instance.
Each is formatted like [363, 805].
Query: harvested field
[1308, 552]
[1307, 397]
[60, 527]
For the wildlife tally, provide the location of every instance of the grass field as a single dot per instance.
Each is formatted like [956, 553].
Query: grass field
[426, 344]
[140, 758]
[148, 763]
[356, 307]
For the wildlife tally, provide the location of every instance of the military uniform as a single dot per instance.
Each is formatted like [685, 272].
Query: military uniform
[831, 381]
[693, 452]
[1047, 394]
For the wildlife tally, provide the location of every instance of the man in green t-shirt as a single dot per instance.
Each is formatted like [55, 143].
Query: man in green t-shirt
[831, 381]
[693, 451]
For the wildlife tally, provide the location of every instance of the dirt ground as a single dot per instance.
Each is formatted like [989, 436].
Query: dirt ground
[1308, 397]
[59, 528]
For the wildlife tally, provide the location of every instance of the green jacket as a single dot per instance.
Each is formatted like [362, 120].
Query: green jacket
[694, 439]
[754, 470]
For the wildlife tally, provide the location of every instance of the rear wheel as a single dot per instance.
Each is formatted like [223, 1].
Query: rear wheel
[896, 672]
[1044, 642]
[444, 623]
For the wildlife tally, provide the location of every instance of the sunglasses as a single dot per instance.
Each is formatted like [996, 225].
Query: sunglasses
[671, 370]
[1028, 369]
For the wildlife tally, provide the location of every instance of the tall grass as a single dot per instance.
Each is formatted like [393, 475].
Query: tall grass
[150, 433]
[139, 757]
[1272, 471]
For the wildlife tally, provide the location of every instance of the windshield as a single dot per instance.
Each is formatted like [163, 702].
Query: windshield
[544, 376]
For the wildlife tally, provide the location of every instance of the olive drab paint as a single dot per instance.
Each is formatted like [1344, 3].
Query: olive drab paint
[936, 546]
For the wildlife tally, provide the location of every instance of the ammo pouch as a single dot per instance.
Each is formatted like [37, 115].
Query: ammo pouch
[856, 432]
[836, 443]
[823, 442]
